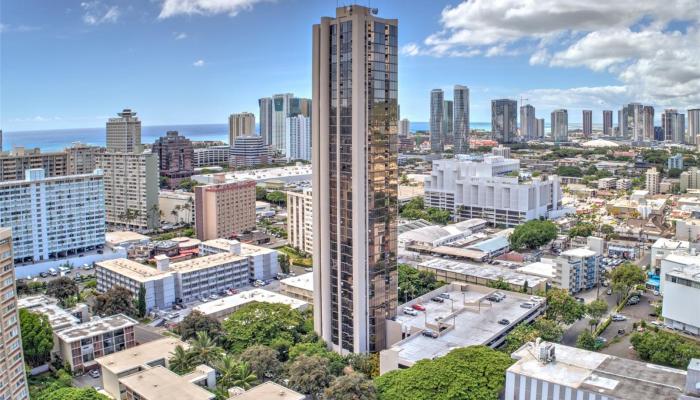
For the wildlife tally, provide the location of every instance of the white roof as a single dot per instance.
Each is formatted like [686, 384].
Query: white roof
[670, 244]
[541, 269]
[580, 252]
[599, 143]
[304, 281]
[95, 327]
[237, 300]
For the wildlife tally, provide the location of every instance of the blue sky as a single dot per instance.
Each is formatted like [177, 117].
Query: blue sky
[72, 64]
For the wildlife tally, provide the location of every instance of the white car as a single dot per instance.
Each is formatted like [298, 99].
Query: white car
[618, 317]
[95, 373]
[410, 311]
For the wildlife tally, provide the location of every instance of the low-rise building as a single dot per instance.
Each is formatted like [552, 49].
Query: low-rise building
[263, 261]
[79, 345]
[299, 287]
[223, 307]
[577, 270]
[607, 183]
[681, 288]
[160, 383]
[623, 184]
[59, 318]
[269, 390]
[158, 284]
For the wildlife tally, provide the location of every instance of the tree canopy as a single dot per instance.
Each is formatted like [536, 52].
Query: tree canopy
[533, 234]
[309, 375]
[263, 361]
[63, 288]
[625, 276]
[116, 300]
[569, 171]
[562, 307]
[468, 373]
[195, 322]
[263, 323]
[37, 337]
[72, 393]
[352, 386]
[582, 229]
[414, 283]
[665, 348]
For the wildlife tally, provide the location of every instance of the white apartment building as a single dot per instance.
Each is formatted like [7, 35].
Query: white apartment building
[653, 181]
[577, 270]
[211, 156]
[300, 223]
[131, 183]
[607, 183]
[623, 184]
[471, 189]
[298, 138]
[262, 262]
[681, 288]
[159, 284]
[53, 217]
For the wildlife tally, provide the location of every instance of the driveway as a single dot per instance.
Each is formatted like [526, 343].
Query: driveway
[86, 381]
[619, 345]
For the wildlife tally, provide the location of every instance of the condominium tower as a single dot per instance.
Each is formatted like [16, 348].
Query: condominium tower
[560, 126]
[175, 158]
[124, 133]
[648, 123]
[607, 122]
[13, 380]
[461, 119]
[504, 120]
[673, 125]
[448, 122]
[587, 123]
[437, 114]
[540, 128]
[14, 163]
[241, 124]
[249, 151]
[53, 217]
[298, 140]
[280, 112]
[405, 127]
[300, 221]
[224, 210]
[265, 120]
[81, 158]
[355, 181]
[528, 122]
[694, 125]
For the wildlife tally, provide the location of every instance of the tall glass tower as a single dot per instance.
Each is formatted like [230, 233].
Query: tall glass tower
[355, 180]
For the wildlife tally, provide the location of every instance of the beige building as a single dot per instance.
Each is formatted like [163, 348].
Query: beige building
[176, 207]
[13, 381]
[653, 180]
[269, 390]
[81, 158]
[241, 124]
[124, 133]
[223, 210]
[300, 220]
[690, 179]
[299, 287]
[15, 162]
[131, 189]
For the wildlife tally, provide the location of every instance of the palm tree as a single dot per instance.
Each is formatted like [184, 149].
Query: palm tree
[234, 373]
[245, 378]
[204, 349]
[181, 361]
[175, 212]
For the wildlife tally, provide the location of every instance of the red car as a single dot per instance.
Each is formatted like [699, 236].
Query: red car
[418, 307]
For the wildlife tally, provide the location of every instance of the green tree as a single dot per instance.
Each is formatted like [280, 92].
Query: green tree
[195, 322]
[365, 363]
[188, 184]
[234, 373]
[542, 328]
[263, 361]
[414, 283]
[116, 300]
[336, 362]
[142, 301]
[586, 341]
[596, 310]
[562, 307]
[72, 393]
[582, 229]
[37, 337]
[665, 348]
[283, 261]
[204, 350]
[607, 230]
[549, 330]
[438, 216]
[352, 386]
[532, 234]
[64, 289]
[182, 361]
[276, 197]
[260, 193]
[569, 171]
[625, 277]
[261, 323]
[309, 375]
[467, 373]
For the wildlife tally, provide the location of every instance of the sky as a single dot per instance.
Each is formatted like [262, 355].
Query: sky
[73, 64]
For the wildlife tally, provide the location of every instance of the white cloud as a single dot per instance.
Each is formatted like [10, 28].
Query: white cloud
[96, 13]
[198, 63]
[651, 46]
[6, 28]
[171, 8]
[579, 97]
[180, 35]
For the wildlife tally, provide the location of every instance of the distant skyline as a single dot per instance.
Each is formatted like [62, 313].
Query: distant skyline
[73, 64]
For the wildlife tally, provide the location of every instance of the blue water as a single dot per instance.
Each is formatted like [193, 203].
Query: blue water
[51, 140]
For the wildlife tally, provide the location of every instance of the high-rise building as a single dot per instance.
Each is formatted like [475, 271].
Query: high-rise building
[653, 180]
[298, 141]
[675, 161]
[124, 133]
[673, 124]
[694, 125]
[280, 112]
[249, 151]
[355, 181]
[81, 158]
[404, 127]
[576, 270]
[437, 113]
[299, 106]
[501, 151]
[175, 158]
[212, 156]
[528, 122]
[14, 163]
[690, 179]
[631, 121]
[504, 120]
[131, 183]
[648, 123]
[240, 124]
[587, 123]
[461, 119]
[540, 128]
[607, 123]
[448, 122]
[224, 210]
[12, 376]
[560, 126]
[265, 104]
[300, 221]
[53, 216]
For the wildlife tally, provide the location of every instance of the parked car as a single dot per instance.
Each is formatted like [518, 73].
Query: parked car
[429, 333]
[601, 339]
[504, 322]
[43, 274]
[656, 293]
[657, 323]
[527, 304]
[621, 331]
[308, 270]
[632, 301]
[95, 373]
[214, 296]
[500, 295]
[438, 299]
[444, 295]
[618, 317]
[418, 307]
[410, 311]
[608, 292]
[580, 300]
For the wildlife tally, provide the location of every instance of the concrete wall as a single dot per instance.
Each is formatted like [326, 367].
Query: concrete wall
[22, 271]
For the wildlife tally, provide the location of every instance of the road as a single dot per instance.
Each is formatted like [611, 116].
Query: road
[574, 330]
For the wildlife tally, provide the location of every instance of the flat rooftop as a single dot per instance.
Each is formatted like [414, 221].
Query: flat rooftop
[304, 281]
[220, 243]
[248, 249]
[119, 237]
[602, 374]
[580, 252]
[471, 328]
[690, 272]
[227, 303]
[139, 355]
[270, 390]
[58, 317]
[132, 269]
[96, 327]
[161, 383]
[484, 271]
[541, 269]
[199, 263]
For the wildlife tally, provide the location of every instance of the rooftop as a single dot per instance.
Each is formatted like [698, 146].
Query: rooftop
[58, 317]
[670, 244]
[132, 269]
[95, 327]
[119, 237]
[161, 383]
[220, 243]
[541, 269]
[199, 263]
[140, 355]
[485, 271]
[270, 390]
[232, 302]
[690, 272]
[491, 245]
[304, 281]
[605, 375]
[579, 252]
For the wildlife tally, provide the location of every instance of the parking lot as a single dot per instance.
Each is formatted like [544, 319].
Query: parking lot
[619, 344]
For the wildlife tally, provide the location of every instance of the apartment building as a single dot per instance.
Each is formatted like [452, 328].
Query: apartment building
[487, 190]
[14, 163]
[224, 210]
[212, 156]
[207, 275]
[240, 124]
[263, 263]
[81, 158]
[124, 132]
[159, 285]
[131, 183]
[13, 381]
[81, 344]
[681, 288]
[249, 151]
[299, 287]
[175, 158]
[300, 223]
[53, 217]
[577, 270]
